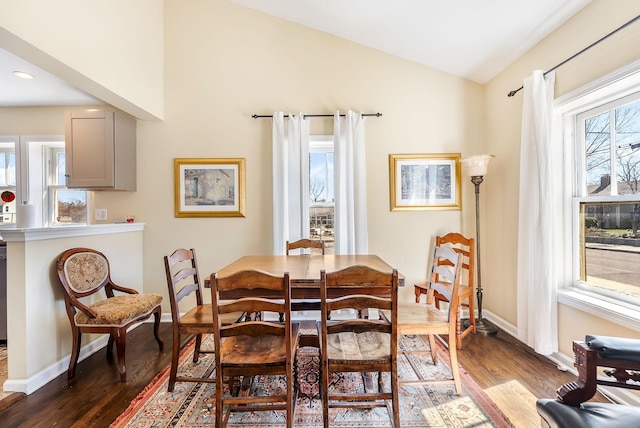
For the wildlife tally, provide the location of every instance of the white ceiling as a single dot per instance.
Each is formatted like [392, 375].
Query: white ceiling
[473, 39]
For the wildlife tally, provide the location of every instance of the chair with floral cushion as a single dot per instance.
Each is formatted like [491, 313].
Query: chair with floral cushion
[83, 272]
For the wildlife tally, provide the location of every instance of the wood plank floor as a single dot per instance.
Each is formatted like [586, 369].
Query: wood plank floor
[510, 373]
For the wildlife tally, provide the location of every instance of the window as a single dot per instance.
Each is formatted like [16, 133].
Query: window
[602, 129]
[66, 206]
[321, 192]
[8, 181]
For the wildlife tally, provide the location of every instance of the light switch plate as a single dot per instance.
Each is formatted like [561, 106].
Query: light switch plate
[101, 214]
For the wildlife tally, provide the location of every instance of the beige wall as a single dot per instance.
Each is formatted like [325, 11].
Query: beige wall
[503, 138]
[114, 49]
[225, 63]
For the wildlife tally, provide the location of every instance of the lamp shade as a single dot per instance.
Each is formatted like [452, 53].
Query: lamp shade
[476, 165]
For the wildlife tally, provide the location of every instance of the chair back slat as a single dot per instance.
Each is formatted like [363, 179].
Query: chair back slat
[303, 244]
[445, 276]
[183, 279]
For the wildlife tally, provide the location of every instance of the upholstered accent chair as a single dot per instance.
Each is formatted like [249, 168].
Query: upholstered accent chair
[83, 272]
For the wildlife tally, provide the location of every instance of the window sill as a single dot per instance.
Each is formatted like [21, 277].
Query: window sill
[600, 307]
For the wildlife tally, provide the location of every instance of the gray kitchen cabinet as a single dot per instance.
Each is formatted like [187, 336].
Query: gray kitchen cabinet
[100, 150]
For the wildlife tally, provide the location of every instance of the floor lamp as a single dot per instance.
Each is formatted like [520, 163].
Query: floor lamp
[476, 168]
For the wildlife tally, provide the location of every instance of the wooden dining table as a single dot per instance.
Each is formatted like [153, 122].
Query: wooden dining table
[304, 272]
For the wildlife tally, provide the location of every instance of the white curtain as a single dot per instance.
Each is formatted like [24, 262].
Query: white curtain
[290, 153]
[540, 201]
[350, 184]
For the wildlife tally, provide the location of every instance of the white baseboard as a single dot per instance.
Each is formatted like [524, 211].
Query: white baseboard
[46, 375]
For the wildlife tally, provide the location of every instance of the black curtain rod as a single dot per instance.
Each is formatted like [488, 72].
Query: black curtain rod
[257, 116]
[512, 93]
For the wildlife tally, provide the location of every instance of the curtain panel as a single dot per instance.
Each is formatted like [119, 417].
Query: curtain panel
[540, 200]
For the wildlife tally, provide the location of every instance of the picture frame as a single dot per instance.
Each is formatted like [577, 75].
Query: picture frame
[424, 182]
[209, 187]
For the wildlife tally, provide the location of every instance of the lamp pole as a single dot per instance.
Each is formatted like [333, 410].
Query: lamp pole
[483, 326]
[476, 167]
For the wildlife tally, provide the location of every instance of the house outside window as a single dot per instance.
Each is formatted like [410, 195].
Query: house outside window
[321, 191]
[602, 129]
[66, 206]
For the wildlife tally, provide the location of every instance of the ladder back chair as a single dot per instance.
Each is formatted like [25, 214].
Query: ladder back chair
[428, 319]
[257, 347]
[83, 272]
[466, 247]
[303, 244]
[359, 345]
[298, 247]
[183, 279]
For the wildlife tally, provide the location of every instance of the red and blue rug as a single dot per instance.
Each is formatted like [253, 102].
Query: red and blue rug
[190, 405]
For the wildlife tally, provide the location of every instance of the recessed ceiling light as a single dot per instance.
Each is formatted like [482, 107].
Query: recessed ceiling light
[23, 74]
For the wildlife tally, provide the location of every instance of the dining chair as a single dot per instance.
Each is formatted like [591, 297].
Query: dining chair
[303, 244]
[364, 345]
[183, 279]
[427, 319]
[247, 349]
[298, 247]
[465, 246]
[83, 272]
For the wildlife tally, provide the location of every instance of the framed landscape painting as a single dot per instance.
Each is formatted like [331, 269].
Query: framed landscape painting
[424, 182]
[209, 187]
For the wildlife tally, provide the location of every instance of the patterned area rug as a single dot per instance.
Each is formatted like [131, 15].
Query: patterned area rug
[190, 405]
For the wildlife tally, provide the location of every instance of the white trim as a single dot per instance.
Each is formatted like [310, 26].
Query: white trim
[61, 366]
[45, 376]
[599, 306]
[12, 234]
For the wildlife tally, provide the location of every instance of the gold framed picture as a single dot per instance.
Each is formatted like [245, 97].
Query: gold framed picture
[209, 187]
[424, 182]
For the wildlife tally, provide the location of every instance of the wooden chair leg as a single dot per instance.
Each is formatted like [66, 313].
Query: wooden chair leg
[156, 328]
[418, 292]
[175, 355]
[196, 350]
[453, 357]
[75, 352]
[121, 341]
[458, 330]
[472, 312]
[432, 347]
[110, 346]
[324, 393]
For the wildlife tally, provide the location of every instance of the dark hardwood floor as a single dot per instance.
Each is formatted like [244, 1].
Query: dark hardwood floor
[96, 397]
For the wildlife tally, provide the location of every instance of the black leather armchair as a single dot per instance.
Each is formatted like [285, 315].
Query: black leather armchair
[620, 358]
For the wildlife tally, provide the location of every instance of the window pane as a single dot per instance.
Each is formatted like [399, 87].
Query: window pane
[70, 206]
[321, 194]
[60, 169]
[598, 154]
[628, 148]
[611, 247]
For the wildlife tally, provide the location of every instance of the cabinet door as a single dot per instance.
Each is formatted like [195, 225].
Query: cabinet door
[89, 149]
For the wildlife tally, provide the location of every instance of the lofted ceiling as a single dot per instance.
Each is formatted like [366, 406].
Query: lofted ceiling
[472, 39]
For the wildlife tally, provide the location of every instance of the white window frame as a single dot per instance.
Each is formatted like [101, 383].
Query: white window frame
[576, 293]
